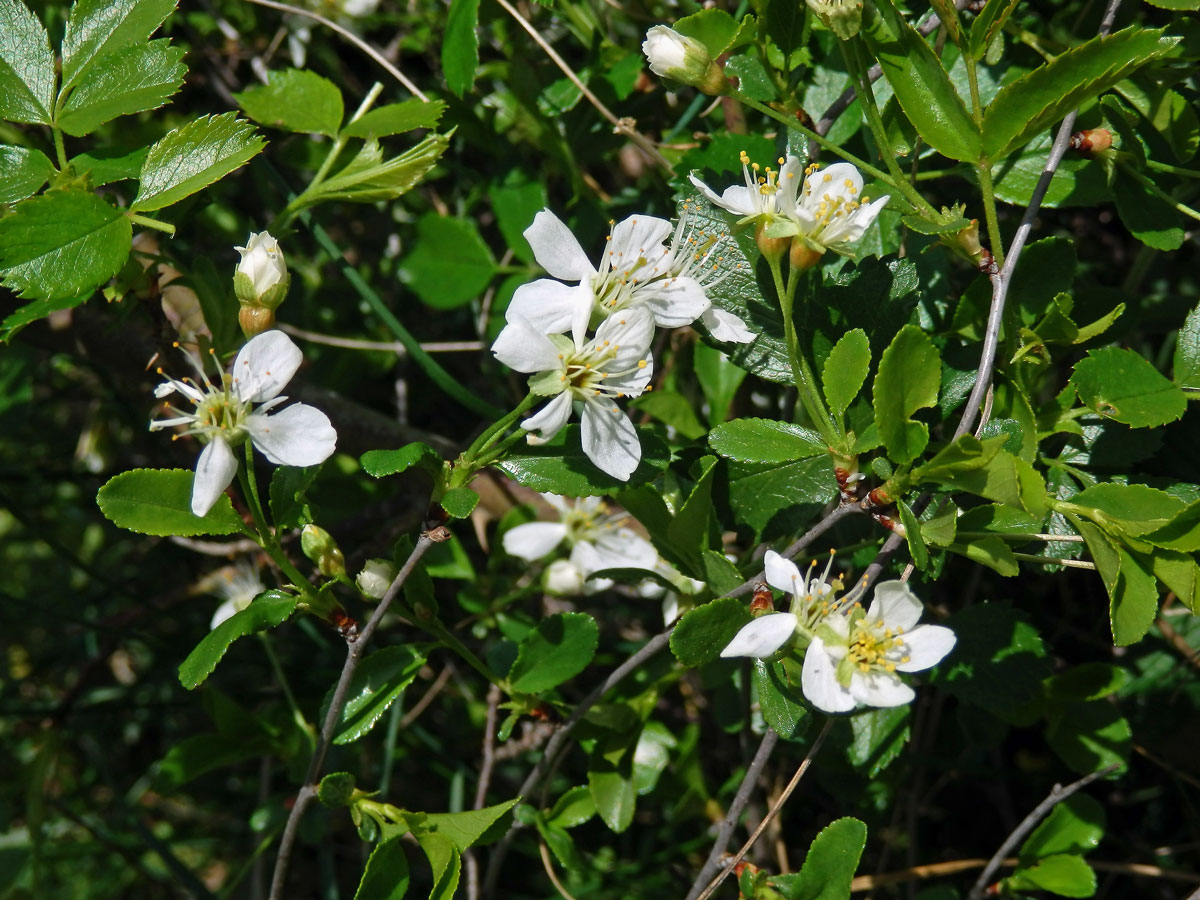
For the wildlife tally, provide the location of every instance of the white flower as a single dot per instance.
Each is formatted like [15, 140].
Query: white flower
[563, 579]
[592, 374]
[375, 578]
[768, 634]
[226, 415]
[763, 197]
[673, 55]
[237, 586]
[855, 656]
[261, 271]
[597, 538]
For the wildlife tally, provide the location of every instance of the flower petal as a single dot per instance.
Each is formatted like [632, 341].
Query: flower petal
[630, 331]
[623, 549]
[556, 248]
[637, 237]
[895, 605]
[523, 348]
[547, 423]
[736, 199]
[609, 439]
[818, 680]
[675, 302]
[763, 637]
[533, 540]
[264, 366]
[223, 612]
[214, 470]
[549, 306]
[877, 688]
[300, 435]
[927, 644]
[725, 326]
[782, 573]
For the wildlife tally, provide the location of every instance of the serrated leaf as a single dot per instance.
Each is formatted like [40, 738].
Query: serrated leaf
[1186, 367]
[1134, 509]
[985, 469]
[561, 467]
[131, 80]
[193, 156]
[1089, 736]
[557, 650]
[159, 502]
[908, 379]
[462, 829]
[765, 440]
[96, 28]
[396, 118]
[289, 485]
[758, 491]
[459, 502]
[386, 874]
[1122, 385]
[460, 46]
[922, 87]
[378, 682]
[780, 698]
[105, 165]
[1133, 602]
[714, 28]
[610, 778]
[845, 370]
[267, 610]
[988, 24]
[380, 463]
[1065, 875]
[878, 737]
[829, 866]
[22, 172]
[1039, 99]
[912, 535]
[62, 244]
[705, 631]
[369, 177]
[31, 312]
[449, 264]
[26, 66]
[294, 100]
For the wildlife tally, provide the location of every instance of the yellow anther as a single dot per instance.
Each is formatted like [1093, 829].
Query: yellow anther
[641, 364]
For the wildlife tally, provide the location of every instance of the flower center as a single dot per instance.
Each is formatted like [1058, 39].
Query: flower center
[586, 370]
[870, 648]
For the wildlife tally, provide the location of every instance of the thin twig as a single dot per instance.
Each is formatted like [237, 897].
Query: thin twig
[771, 813]
[396, 347]
[487, 759]
[428, 696]
[620, 126]
[954, 866]
[1056, 796]
[351, 37]
[355, 645]
[713, 864]
[548, 865]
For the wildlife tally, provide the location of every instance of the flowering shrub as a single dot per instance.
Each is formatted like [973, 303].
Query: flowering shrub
[752, 545]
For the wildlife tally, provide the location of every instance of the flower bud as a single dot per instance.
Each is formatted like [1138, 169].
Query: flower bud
[842, 17]
[319, 546]
[255, 320]
[563, 578]
[683, 59]
[772, 248]
[375, 578]
[1091, 141]
[803, 256]
[261, 280]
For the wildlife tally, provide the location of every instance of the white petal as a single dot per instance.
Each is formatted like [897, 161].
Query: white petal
[839, 174]
[587, 559]
[626, 550]
[300, 435]
[264, 366]
[818, 680]
[634, 382]
[214, 470]
[549, 306]
[725, 326]
[556, 249]
[552, 417]
[736, 199]
[609, 439]
[533, 540]
[782, 573]
[631, 332]
[877, 688]
[223, 612]
[763, 637]
[675, 302]
[927, 644]
[523, 348]
[790, 179]
[895, 605]
[560, 503]
[639, 236]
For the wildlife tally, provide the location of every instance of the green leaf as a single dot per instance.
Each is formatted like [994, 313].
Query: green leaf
[923, 89]
[159, 502]
[1133, 601]
[879, 737]
[193, 156]
[515, 202]
[909, 375]
[31, 312]
[1067, 876]
[22, 172]
[1078, 181]
[459, 502]
[1037, 100]
[378, 682]
[62, 244]
[449, 265]
[132, 80]
[26, 66]
[991, 552]
[690, 529]
[369, 178]
[783, 23]
[1075, 825]
[386, 874]
[651, 756]
[444, 861]
[395, 118]
[1122, 385]
[1186, 372]
[719, 380]
[610, 778]
[573, 808]
[1089, 736]
[1089, 681]
[96, 28]
[106, 165]
[1147, 215]
[765, 440]
[561, 467]
[912, 534]
[295, 100]
[1133, 508]
[988, 24]
[830, 864]
[289, 484]
[460, 46]
[463, 829]
[714, 28]
[780, 698]
[672, 409]
[380, 463]
[1181, 533]
[753, 82]
[845, 370]
[758, 491]
[267, 610]
[705, 631]
[557, 650]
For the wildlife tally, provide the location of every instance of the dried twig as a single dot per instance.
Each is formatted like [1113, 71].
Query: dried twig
[487, 759]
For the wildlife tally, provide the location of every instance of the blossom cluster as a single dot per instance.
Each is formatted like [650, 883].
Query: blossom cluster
[584, 334]
[852, 656]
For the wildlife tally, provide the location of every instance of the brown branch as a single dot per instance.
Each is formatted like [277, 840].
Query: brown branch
[486, 762]
[954, 866]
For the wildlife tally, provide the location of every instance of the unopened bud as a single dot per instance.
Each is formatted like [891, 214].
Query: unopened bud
[255, 320]
[563, 578]
[683, 59]
[842, 17]
[1091, 141]
[803, 256]
[772, 248]
[375, 578]
[319, 546]
[260, 281]
[762, 601]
